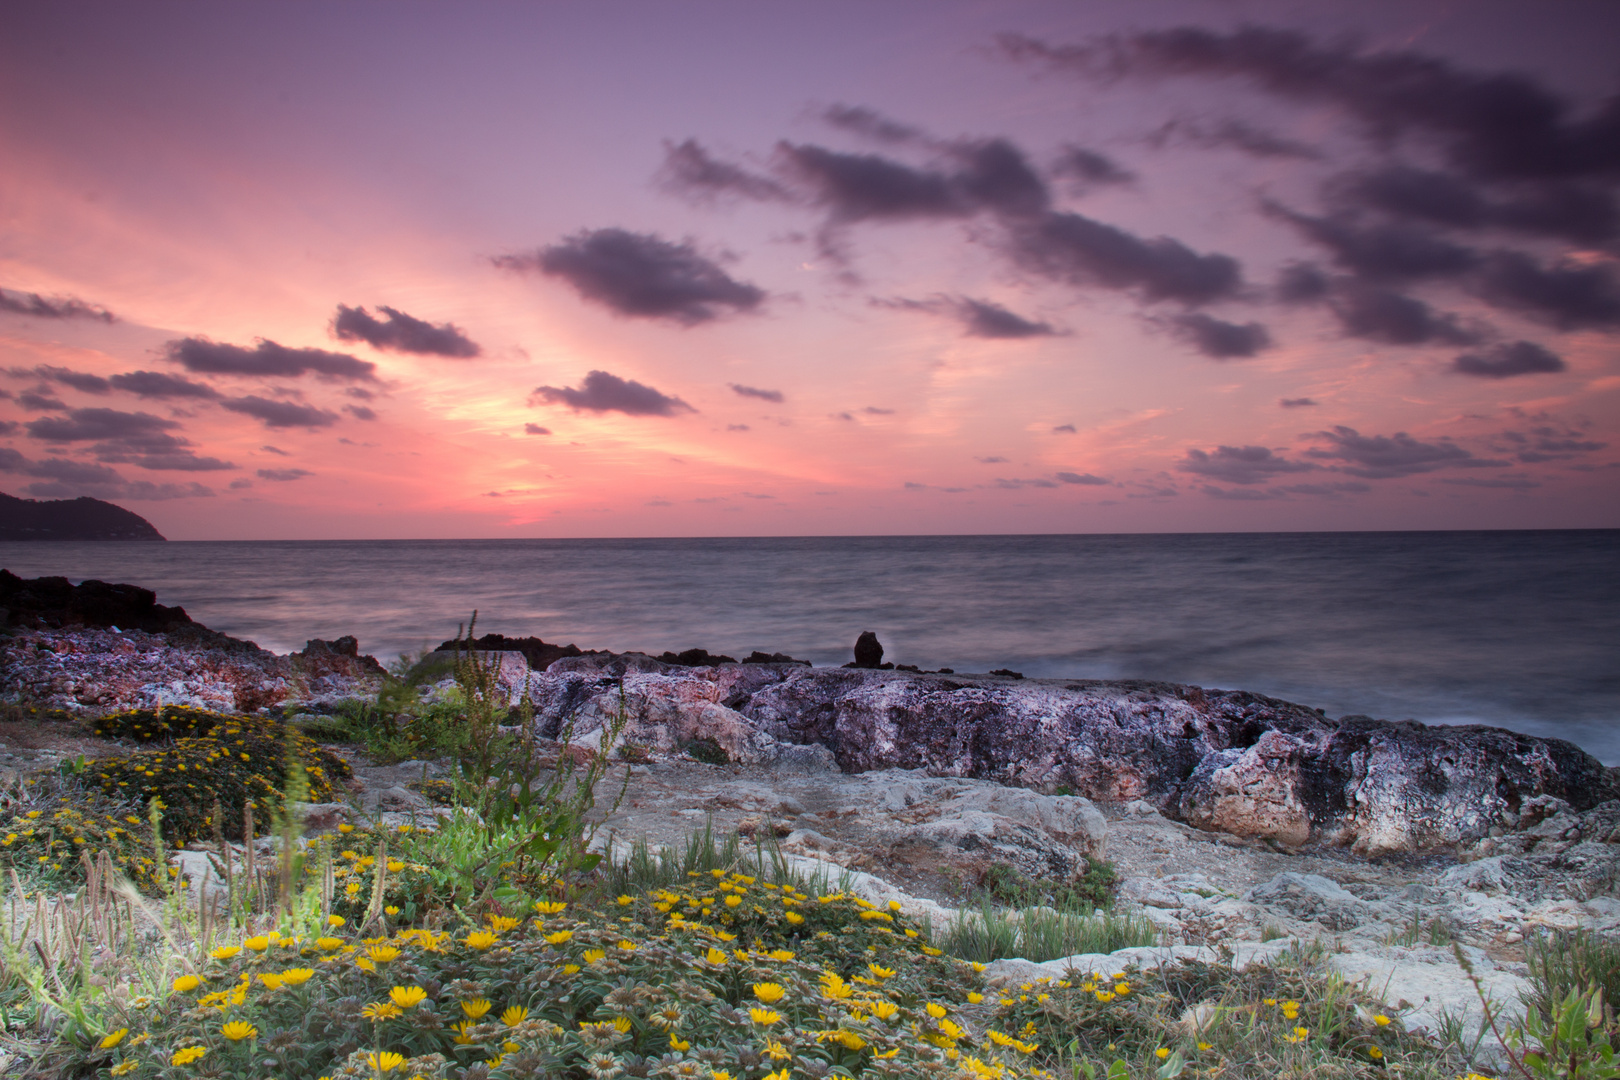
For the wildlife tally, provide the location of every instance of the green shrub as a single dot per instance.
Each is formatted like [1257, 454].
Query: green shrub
[1006, 884]
[153, 725]
[1042, 933]
[235, 761]
[47, 846]
[707, 751]
[1562, 962]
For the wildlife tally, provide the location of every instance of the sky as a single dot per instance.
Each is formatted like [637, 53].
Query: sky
[398, 270]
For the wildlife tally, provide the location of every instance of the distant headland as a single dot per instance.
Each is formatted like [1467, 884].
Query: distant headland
[71, 519]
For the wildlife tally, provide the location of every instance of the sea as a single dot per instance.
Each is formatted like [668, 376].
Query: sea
[1518, 629]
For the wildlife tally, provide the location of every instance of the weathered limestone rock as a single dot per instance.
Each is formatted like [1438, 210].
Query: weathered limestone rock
[1226, 760]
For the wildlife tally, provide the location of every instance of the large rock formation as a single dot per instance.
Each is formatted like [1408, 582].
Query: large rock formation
[1225, 760]
[56, 602]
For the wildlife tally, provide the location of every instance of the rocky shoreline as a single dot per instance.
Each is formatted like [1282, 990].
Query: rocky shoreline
[1233, 818]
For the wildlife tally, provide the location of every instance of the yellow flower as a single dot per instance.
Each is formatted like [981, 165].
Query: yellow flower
[188, 1055]
[334, 920]
[364, 964]
[382, 953]
[386, 1061]
[715, 957]
[225, 952]
[476, 1007]
[395, 866]
[1374, 1053]
[885, 1010]
[570, 969]
[502, 923]
[794, 917]
[345, 827]
[406, 996]
[1298, 1035]
[126, 1067]
[764, 1016]
[780, 954]
[297, 976]
[1381, 1020]
[847, 1039]
[676, 1043]
[327, 944]
[391, 909]
[975, 997]
[257, 944]
[1205, 1046]
[719, 1074]
[769, 993]
[479, 940]
[186, 983]
[733, 901]
[515, 1015]
[461, 1029]
[880, 972]
[382, 1010]
[549, 907]
[237, 1030]
[1161, 1053]
[593, 955]
[113, 1038]
[936, 1011]
[561, 937]
[626, 901]
[270, 981]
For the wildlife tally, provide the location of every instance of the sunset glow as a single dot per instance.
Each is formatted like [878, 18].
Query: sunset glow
[614, 269]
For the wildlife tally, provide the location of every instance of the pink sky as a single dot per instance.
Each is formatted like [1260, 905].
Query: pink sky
[985, 267]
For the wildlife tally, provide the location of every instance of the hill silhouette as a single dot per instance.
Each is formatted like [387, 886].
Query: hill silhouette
[71, 519]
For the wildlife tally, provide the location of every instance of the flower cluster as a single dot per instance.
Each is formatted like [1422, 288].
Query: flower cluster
[560, 991]
[238, 761]
[51, 843]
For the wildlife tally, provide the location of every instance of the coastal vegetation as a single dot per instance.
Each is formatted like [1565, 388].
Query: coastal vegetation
[490, 942]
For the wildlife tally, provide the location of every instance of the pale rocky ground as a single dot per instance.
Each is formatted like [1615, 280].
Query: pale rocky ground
[926, 841]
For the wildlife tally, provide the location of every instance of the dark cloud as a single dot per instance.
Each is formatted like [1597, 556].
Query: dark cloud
[61, 478]
[602, 392]
[991, 460]
[693, 173]
[873, 410]
[1492, 125]
[641, 275]
[360, 412]
[8, 426]
[1081, 478]
[276, 450]
[1064, 429]
[869, 187]
[1015, 483]
[993, 174]
[82, 381]
[1331, 491]
[130, 438]
[1240, 464]
[1384, 252]
[1241, 494]
[1579, 213]
[267, 359]
[870, 124]
[157, 384]
[280, 414]
[1076, 249]
[1549, 442]
[1506, 361]
[979, 318]
[284, 474]
[1381, 457]
[535, 429]
[34, 401]
[105, 425]
[62, 307]
[1396, 319]
[1221, 340]
[358, 392]
[1090, 168]
[1513, 483]
[737, 427]
[1569, 296]
[402, 333]
[1296, 403]
[1231, 134]
[1302, 283]
[755, 392]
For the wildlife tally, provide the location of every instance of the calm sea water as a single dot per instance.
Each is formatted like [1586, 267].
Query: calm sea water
[1518, 629]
